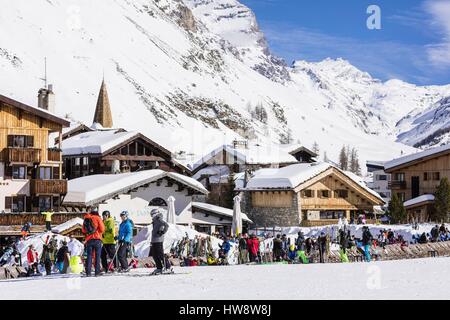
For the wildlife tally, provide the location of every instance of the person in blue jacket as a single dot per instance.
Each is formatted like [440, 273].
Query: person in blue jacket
[125, 239]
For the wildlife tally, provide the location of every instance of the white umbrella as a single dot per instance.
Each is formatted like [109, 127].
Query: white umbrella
[171, 216]
[236, 226]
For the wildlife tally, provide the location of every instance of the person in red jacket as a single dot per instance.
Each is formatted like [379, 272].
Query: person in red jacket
[33, 260]
[253, 246]
[93, 228]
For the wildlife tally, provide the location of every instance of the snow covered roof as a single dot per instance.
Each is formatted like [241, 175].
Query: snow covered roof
[419, 200]
[67, 225]
[304, 149]
[218, 210]
[95, 142]
[91, 190]
[292, 176]
[287, 177]
[253, 154]
[419, 156]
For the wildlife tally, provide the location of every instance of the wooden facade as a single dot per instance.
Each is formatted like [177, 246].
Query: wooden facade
[26, 159]
[320, 200]
[419, 177]
[137, 153]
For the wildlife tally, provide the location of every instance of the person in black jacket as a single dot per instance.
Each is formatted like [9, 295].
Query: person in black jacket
[159, 229]
[243, 249]
[300, 241]
[322, 244]
[366, 241]
[277, 248]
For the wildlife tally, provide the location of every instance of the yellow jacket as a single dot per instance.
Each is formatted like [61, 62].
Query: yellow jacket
[48, 216]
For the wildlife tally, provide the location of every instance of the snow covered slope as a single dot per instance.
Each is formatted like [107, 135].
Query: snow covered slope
[190, 73]
[379, 280]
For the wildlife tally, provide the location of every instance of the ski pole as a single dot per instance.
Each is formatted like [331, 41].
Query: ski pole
[114, 257]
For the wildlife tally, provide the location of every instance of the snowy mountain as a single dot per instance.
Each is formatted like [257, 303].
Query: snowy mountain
[190, 74]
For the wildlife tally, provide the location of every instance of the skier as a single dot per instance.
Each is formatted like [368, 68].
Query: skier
[344, 244]
[253, 247]
[159, 229]
[125, 237]
[63, 258]
[225, 248]
[434, 233]
[46, 256]
[93, 228]
[33, 260]
[322, 243]
[366, 241]
[109, 242]
[243, 249]
[285, 243]
[277, 248]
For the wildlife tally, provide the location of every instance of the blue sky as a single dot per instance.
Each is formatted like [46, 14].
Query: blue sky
[413, 43]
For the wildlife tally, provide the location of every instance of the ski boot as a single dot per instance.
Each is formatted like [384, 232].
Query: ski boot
[156, 272]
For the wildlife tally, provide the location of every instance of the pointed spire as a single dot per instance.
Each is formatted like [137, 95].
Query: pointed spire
[103, 114]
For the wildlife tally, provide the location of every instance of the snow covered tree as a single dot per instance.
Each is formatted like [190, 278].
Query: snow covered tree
[315, 147]
[354, 162]
[260, 113]
[396, 209]
[441, 201]
[325, 157]
[286, 138]
[343, 159]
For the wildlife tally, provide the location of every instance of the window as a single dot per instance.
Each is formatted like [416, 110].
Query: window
[18, 204]
[326, 215]
[19, 172]
[158, 202]
[77, 162]
[436, 176]
[381, 177]
[45, 173]
[324, 193]
[401, 196]
[399, 177]
[426, 176]
[20, 141]
[45, 203]
[308, 193]
[341, 194]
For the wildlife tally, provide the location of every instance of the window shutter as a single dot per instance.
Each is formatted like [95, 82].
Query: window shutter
[8, 172]
[8, 202]
[30, 141]
[28, 204]
[56, 173]
[10, 140]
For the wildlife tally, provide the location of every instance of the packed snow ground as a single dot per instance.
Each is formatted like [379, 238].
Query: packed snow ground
[405, 279]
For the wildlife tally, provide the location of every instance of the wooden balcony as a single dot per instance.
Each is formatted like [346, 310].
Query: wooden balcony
[22, 155]
[54, 155]
[38, 186]
[396, 185]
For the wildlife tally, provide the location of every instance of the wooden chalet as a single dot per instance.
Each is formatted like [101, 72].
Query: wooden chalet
[306, 194]
[31, 177]
[415, 178]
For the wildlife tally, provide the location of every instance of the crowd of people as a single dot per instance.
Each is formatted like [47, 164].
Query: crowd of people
[109, 249]
[106, 249]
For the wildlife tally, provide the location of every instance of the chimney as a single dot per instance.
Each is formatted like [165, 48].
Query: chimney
[46, 99]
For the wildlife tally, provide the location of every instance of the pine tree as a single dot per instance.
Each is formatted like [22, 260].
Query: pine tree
[441, 201]
[325, 157]
[396, 209]
[315, 148]
[354, 162]
[343, 159]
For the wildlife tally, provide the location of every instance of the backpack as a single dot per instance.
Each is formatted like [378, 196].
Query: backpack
[88, 226]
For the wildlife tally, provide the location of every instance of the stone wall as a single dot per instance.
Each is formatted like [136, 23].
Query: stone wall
[271, 217]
